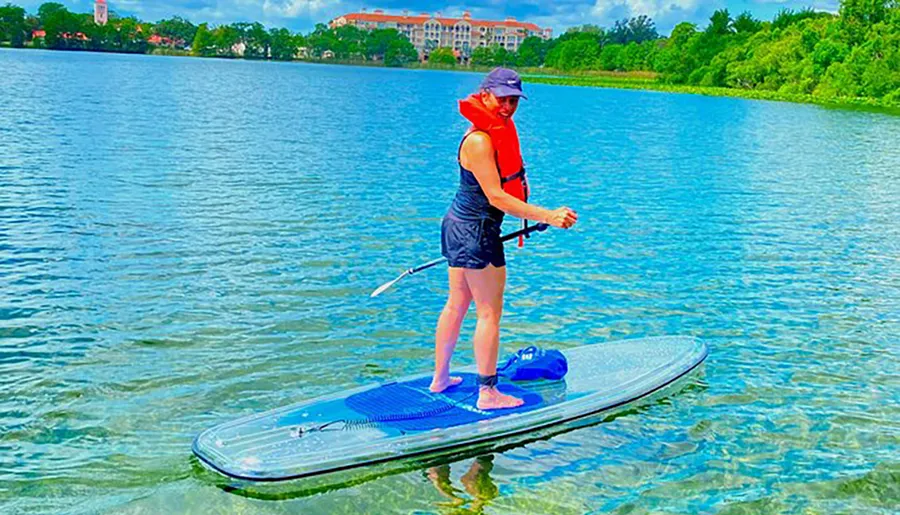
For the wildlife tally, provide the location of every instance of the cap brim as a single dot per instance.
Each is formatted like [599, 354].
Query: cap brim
[507, 91]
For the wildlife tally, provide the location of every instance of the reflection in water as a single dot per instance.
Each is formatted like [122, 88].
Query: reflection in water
[476, 481]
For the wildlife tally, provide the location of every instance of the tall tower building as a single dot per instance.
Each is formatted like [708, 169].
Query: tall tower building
[101, 12]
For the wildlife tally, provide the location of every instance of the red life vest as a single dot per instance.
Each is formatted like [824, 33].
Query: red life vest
[505, 140]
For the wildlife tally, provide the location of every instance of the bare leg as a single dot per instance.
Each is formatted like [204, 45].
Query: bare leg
[487, 287]
[440, 478]
[448, 329]
[478, 483]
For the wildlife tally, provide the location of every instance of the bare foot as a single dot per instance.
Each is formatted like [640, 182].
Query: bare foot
[438, 386]
[491, 398]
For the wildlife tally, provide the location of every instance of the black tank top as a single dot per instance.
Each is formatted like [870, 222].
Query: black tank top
[470, 203]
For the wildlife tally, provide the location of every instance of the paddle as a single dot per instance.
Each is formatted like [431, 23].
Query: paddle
[522, 232]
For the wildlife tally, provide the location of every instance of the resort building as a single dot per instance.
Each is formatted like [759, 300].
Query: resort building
[429, 31]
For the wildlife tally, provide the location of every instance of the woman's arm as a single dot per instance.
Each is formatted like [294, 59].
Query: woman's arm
[477, 156]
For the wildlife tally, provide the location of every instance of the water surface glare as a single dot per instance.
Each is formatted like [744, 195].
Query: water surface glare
[184, 241]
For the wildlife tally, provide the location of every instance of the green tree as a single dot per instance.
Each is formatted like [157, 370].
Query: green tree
[619, 34]
[865, 12]
[827, 52]
[788, 17]
[745, 23]
[641, 29]
[400, 52]
[577, 54]
[347, 42]
[12, 25]
[636, 56]
[442, 56]
[532, 52]
[632, 30]
[48, 9]
[720, 23]
[682, 34]
[225, 38]
[676, 60]
[204, 43]
[257, 41]
[57, 22]
[772, 63]
[591, 32]
[483, 56]
[610, 57]
[102, 38]
[351, 42]
[503, 57]
[321, 39]
[837, 82]
[284, 45]
[377, 43]
[127, 35]
[494, 55]
[178, 29]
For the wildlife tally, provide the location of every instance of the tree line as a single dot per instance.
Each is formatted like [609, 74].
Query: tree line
[55, 27]
[854, 53]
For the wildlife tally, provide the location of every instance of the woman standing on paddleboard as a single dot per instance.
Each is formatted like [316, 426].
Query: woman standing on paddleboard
[491, 183]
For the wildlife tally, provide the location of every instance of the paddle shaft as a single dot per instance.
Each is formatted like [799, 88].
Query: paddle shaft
[513, 235]
[522, 232]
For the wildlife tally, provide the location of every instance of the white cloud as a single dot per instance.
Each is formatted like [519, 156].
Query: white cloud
[133, 5]
[294, 8]
[652, 8]
[818, 5]
[665, 13]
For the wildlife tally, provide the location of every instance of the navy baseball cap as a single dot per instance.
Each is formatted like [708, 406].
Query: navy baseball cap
[503, 82]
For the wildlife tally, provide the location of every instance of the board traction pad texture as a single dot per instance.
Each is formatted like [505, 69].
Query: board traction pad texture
[410, 406]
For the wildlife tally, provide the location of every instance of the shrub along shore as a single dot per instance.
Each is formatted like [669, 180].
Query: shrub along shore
[625, 81]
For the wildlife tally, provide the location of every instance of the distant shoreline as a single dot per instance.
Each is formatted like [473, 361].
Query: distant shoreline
[623, 81]
[646, 81]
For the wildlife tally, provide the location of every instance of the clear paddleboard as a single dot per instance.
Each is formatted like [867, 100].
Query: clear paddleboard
[402, 419]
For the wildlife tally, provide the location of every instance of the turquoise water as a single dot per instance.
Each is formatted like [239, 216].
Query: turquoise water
[185, 241]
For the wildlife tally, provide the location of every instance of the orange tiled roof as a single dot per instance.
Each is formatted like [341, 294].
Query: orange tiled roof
[420, 19]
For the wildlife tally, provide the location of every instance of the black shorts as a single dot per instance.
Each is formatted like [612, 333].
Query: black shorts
[471, 244]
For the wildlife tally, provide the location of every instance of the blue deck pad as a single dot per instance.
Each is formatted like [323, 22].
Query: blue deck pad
[409, 406]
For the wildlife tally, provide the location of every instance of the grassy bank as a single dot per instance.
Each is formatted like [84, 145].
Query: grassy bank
[647, 81]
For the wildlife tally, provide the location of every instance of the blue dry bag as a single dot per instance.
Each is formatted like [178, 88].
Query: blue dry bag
[534, 363]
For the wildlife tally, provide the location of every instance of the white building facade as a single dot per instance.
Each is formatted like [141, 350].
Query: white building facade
[427, 32]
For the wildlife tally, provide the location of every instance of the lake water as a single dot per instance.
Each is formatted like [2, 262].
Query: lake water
[184, 241]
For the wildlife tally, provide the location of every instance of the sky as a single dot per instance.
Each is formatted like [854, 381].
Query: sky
[302, 15]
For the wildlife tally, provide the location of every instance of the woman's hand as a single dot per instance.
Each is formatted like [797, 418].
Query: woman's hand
[562, 218]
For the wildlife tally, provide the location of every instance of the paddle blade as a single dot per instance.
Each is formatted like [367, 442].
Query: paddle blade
[381, 289]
